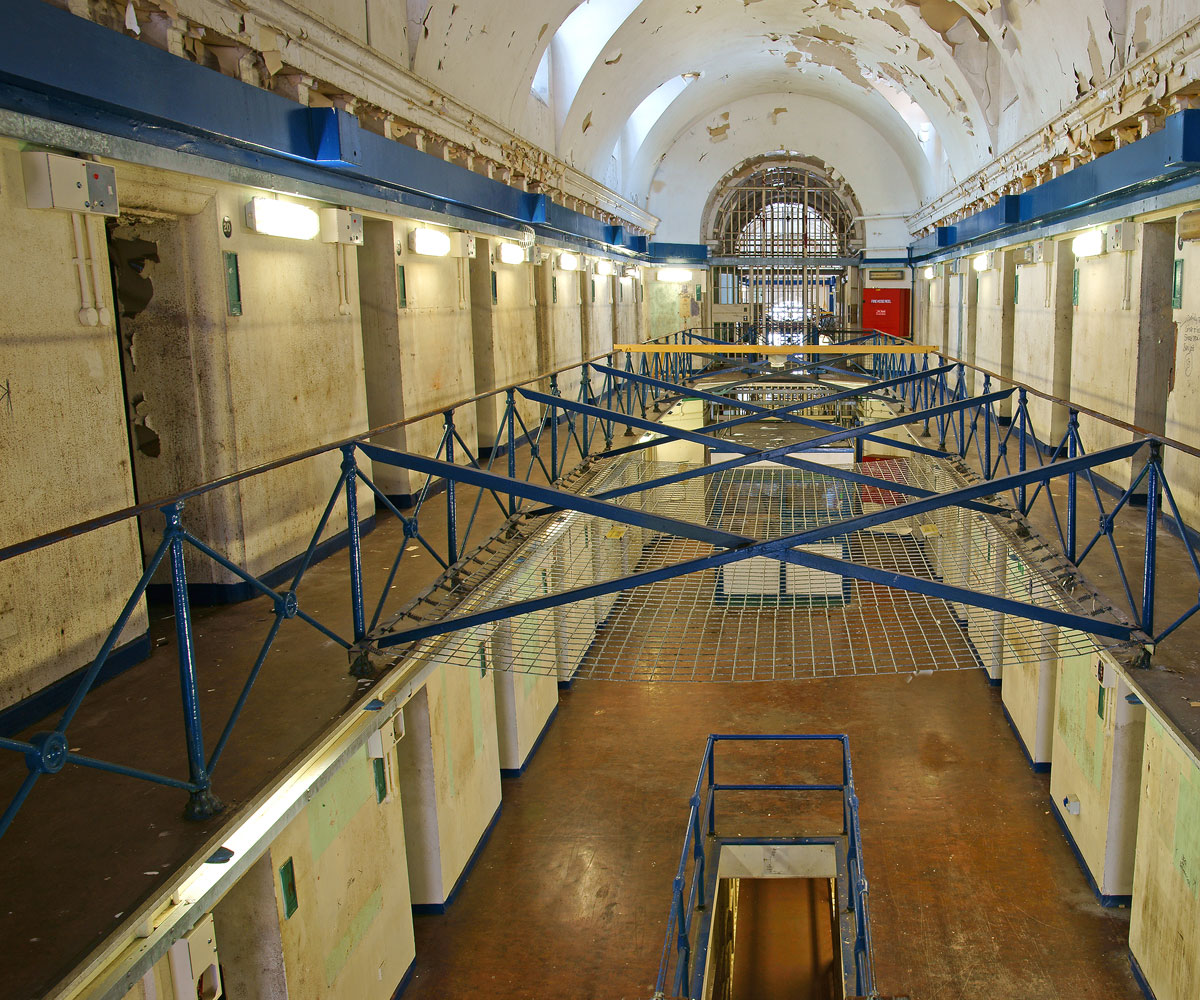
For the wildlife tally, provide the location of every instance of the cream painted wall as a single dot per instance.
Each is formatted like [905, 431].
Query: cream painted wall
[298, 335]
[504, 337]
[1183, 404]
[627, 313]
[1166, 879]
[560, 323]
[1097, 759]
[1104, 352]
[419, 355]
[994, 324]
[597, 309]
[64, 450]
[351, 936]
[449, 771]
[1042, 338]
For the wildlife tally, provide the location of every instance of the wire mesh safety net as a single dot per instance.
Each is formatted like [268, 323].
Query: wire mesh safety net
[757, 618]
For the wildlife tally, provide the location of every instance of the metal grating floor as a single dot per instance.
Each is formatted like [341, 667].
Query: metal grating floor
[753, 620]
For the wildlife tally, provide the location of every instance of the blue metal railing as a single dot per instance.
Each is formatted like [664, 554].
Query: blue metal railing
[48, 751]
[614, 393]
[700, 847]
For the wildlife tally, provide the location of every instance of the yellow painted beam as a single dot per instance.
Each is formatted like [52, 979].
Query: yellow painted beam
[774, 349]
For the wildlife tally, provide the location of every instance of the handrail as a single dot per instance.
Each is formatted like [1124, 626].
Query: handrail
[685, 900]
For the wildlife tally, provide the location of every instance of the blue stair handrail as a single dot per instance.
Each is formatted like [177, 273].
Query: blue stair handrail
[688, 897]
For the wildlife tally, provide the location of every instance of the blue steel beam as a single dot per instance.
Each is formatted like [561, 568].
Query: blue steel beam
[738, 547]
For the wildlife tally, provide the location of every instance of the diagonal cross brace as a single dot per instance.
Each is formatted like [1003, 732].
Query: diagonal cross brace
[738, 547]
[554, 496]
[782, 452]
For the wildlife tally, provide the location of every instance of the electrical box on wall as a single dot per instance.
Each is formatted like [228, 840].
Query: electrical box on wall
[1120, 237]
[195, 968]
[1043, 252]
[69, 184]
[1106, 674]
[462, 245]
[339, 225]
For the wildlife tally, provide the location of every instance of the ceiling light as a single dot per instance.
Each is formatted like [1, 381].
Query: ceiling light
[429, 242]
[677, 275]
[510, 253]
[282, 218]
[568, 262]
[1089, 244]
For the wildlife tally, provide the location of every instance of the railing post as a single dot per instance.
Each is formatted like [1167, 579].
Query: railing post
[1022, 427]
[202, 803]
[585, 386]
[554, 391]
[712, 795]
[451, 495]
[987, 430]
[1153, 473]
[1072, 486]
[510, 415]
[962, 412]
[354, 536]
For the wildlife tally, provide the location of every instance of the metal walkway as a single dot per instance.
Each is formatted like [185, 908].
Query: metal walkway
[762, 620]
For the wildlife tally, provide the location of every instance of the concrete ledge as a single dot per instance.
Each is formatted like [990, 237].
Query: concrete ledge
[426, 909]
[516, 772]
[209, 594]
[50, 699]
[1108, 902]
[1038, 767]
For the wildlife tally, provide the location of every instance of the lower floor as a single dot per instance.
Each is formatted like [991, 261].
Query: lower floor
[974, 890]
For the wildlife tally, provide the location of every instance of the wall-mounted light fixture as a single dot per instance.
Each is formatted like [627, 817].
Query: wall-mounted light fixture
[604, 268]
[982, 262]
[928, 273]
[1089, 244]
[568, 262]
[510, 253]
[675, 275]
[271, 217]
[429, 242]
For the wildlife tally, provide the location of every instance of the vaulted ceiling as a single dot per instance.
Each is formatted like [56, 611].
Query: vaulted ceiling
[641, 93]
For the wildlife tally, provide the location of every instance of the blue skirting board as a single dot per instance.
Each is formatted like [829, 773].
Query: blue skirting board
[51, 699]
[423, 909]
[405, 980]
[1140, 978]
[1038, 767]
[516, 772]
[1106, 901]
